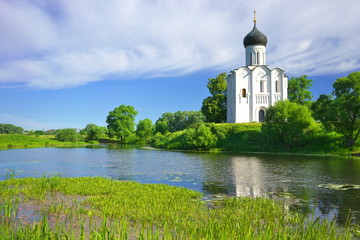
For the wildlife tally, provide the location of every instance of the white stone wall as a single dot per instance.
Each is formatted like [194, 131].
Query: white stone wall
[255, 55]
[263, 87]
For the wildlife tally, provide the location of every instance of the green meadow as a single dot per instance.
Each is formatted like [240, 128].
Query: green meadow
[99, 208]
[26, 141]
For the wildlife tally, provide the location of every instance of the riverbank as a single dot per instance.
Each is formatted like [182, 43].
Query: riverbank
[8, 141]
[100, 208]
[247, 137]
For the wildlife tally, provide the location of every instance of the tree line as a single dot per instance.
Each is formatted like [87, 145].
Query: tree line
[331, 118]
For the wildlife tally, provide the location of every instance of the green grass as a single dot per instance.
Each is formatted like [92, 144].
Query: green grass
[25, 141]
[99, 208]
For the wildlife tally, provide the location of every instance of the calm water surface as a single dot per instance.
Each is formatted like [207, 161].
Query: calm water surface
[294, 179]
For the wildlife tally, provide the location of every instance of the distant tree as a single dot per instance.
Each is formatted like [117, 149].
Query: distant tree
[214, 107]
[288, 123]
[93, 132]
[298, 90]
[10, 129]
[144, 129]
[341, 111]
[178, 121]
[161, 126]
[121, 122]
[68, 135]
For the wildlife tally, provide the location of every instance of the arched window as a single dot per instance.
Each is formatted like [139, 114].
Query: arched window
[261, 116]
[262, 83]
[243, 93]
[277, 87]
[258, 58]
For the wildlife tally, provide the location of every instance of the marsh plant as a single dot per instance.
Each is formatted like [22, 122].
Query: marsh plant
[99, 208]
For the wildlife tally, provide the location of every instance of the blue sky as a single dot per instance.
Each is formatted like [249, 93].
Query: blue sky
[67, 63]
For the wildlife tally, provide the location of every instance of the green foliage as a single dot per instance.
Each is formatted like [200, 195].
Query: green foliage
[161, 126]
[144, 129]
[121, 122]
[26, 141]
[10, 129]
[298, 90]
[93, 132]
[217, 85]
[289, 123]
[99, 208]
[342, 113]
[200, 138]
[68, 135]
[214, 107]
[178, 121]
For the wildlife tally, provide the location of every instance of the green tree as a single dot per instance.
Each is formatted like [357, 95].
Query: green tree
[68, 135]
[298, 90]
[178, 121]
[121, 122]
[288, 124]
[93, 132]
[200, 138]
[10, 129]
[214, 107]
[342, 113]
[144, 129]
[161, 126]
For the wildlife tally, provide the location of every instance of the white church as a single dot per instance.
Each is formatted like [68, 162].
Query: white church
[253, 88]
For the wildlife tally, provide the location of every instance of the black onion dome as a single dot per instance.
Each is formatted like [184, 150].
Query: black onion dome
[255, 37]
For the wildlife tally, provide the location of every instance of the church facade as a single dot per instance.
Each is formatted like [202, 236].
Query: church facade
[253, 88]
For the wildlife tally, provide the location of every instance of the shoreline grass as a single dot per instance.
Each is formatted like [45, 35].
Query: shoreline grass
[99, 208]
[10, 141]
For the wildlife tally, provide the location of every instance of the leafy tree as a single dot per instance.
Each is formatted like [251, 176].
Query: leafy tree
[214, 107]
[200, 138]
[121, 122]
[298, 90]
[161, 126]
[179, 121]
[145, 128]
[288, 123]
[93, 132]
[342, 113]
[68, 135]
[10, 129]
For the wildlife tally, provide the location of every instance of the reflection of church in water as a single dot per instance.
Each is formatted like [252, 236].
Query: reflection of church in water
[254, 87]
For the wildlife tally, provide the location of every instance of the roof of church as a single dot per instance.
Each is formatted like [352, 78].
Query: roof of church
[255, 37]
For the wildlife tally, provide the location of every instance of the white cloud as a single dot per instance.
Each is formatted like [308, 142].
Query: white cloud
[68, 43]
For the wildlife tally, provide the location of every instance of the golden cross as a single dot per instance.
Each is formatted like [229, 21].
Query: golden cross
[254, 16]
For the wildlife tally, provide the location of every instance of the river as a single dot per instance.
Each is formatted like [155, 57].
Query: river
[310, 184]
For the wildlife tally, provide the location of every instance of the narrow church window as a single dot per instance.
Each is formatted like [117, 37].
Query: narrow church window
[243, 92]
[277, 87]
[261, 86]
[258, 58]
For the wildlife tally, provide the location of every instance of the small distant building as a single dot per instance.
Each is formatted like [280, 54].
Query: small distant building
[253, 88]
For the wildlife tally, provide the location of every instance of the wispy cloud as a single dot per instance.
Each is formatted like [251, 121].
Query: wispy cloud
[66, 43]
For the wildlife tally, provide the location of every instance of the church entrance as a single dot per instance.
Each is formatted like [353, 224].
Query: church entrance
[261, 116]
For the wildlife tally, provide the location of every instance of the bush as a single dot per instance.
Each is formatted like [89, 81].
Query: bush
[200, 138]
[68, 135]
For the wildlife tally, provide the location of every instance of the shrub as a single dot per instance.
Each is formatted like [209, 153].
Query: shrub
[68, 135]
[200, 138]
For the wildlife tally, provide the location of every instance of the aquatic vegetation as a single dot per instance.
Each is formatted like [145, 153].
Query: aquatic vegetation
[99, 208]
